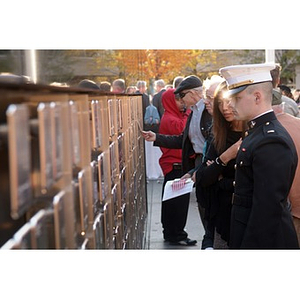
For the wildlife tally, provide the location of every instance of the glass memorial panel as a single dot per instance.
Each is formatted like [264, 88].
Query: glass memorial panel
[121, 148]
[42, 229]
[57, 140]
[46, 146]
[96, 187]
[107, 225]
[103, 174]
[59, 220]
[73, 109]
[83, 200]
[96, 124]
[19, 159]
[113, 162]
[111, 117]
[114, 196]
[98, 228]
[119, 114]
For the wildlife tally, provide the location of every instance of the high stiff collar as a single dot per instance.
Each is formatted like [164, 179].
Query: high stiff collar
[267, 117]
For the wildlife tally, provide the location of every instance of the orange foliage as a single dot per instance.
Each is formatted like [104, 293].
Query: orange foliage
[159, 64]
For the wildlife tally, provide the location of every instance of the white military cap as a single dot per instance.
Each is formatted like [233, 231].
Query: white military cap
[238, 77]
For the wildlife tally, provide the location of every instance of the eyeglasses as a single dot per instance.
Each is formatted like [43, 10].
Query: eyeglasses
[208, 98]
[182, 95]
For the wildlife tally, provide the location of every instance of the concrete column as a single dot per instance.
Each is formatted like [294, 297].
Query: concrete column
[297, 76]
[30, 65]
[270, 55]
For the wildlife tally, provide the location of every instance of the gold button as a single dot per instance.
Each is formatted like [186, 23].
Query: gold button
[268, 123]
[233, 183]
[241, 163]
[235, 166]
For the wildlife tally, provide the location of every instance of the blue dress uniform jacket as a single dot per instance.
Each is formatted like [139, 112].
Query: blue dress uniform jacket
[183, 142]
[265, 168]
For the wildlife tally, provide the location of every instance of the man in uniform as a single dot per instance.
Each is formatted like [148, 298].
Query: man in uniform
[265, 164]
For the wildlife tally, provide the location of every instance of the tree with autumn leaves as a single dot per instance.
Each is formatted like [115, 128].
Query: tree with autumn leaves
[161, 64]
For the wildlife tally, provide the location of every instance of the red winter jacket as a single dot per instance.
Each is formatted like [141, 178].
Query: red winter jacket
[172, 123]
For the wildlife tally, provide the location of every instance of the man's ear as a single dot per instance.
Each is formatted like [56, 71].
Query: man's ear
[257, 96]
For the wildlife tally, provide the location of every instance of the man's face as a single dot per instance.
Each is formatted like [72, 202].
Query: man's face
[142, 89]
[190, 97]
[116, 89]
[158, 88]
[243, 105]
[209, 101]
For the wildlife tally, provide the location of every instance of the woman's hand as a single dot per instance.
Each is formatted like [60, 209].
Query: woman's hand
[231, 152]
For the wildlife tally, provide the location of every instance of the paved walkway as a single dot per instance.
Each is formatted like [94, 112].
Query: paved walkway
[154, 238]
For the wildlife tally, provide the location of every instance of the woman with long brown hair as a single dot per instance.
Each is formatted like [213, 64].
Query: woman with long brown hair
[216, 174]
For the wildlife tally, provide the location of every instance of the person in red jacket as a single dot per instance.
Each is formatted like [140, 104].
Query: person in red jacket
[174, 211]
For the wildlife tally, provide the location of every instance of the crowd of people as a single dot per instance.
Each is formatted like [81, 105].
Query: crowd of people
[236, 135]
[240, 146]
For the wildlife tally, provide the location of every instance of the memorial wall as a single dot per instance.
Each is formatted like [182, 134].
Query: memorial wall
[72, 171]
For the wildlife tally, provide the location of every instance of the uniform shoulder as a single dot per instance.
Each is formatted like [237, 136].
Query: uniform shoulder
[271, 127]
[274, 131]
